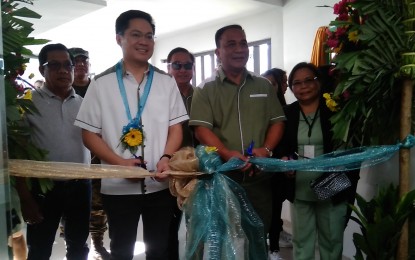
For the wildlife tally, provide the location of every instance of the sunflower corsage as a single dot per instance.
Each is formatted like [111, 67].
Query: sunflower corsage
[132, 136]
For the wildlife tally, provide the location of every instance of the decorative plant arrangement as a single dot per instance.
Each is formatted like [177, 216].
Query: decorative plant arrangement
[373, 48]
[15, 39]
[367, 39]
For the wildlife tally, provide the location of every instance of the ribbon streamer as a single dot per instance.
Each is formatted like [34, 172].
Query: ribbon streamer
[220, 220]
[331, 162]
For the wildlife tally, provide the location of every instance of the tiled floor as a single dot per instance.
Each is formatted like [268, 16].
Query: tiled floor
[58, 252]
[59, 247]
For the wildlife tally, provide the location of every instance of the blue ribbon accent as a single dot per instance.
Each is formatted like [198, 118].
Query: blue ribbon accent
[337, 161]
[135, 123]
[409, 142]
[221, 222]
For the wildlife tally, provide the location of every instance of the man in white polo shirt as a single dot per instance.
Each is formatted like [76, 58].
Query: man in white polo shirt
[53, 131]
[132, 115]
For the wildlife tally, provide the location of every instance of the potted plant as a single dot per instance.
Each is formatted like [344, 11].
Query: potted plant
[381, 220]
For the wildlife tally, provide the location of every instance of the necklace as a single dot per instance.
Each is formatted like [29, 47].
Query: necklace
[132, 133]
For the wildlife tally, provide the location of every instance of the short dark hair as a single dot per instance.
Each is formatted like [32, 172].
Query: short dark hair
[220, 32]
[278, 75]
[123, 20]
[177, 50]
[303, 65]
[43, 54]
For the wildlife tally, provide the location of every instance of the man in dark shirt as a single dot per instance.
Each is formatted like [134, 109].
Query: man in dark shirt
[98, 222]
[181, 67]
[81, 71]
[180, 64]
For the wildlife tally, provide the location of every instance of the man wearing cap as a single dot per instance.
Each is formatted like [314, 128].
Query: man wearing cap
[81, 71]
[98, 222]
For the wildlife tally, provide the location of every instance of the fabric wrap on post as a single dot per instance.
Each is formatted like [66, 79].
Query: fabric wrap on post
[221, 222]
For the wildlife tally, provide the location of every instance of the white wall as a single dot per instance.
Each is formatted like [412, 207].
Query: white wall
[258, 26]
[301, 21]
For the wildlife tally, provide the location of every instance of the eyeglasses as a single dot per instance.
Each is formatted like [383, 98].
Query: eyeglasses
[81, 59]
[178, 66]
[140, 35]
[56, 66]
[306, 82]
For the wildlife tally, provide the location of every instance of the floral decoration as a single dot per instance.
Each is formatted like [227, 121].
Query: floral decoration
[342, 35]
[367, 40]
[211, 149]
[17, 91]
[132, 136]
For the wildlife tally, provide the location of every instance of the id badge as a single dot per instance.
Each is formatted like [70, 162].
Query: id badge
[309, 151]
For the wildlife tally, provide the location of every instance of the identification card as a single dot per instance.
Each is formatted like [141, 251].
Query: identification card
[309, 151]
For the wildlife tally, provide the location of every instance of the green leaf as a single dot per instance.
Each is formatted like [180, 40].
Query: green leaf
[26, 12]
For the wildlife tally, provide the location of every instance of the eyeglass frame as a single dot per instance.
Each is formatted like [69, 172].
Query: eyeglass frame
[81, 59]
[67, 67]
[179, 66]
[139, 35]
[304, 82]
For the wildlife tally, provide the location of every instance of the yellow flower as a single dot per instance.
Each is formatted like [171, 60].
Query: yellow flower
[330, 103]
[353, 36]
[28, 95]
[210, 149]
[133, 138]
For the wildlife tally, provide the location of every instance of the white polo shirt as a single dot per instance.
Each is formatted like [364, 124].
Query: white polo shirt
[103, 112]
[53, 128]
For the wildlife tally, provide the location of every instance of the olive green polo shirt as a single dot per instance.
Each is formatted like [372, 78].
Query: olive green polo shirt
[237, 115]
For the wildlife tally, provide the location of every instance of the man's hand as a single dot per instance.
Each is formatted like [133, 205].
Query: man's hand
[31, 211]
[133, 162]
[289, 174]
[260, 152]
[162, 166]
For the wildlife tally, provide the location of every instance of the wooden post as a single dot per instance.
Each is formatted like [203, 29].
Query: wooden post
[404, 160]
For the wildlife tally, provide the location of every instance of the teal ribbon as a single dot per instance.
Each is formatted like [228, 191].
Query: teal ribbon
[220, 220]
[352, 159]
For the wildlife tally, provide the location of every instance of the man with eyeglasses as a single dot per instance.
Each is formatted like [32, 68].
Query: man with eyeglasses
[235, 110]
[53, 131]
[132, 115]
[180, 64]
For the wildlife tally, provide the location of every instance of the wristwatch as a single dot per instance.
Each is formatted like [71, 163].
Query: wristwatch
[269, 151]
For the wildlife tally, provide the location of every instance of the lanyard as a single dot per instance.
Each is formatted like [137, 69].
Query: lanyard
[143, 99]
[310, 126]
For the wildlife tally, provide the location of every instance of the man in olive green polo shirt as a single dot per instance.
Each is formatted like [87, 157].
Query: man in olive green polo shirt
[236, 108]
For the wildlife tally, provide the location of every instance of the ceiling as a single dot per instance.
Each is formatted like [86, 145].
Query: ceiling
[169, 15]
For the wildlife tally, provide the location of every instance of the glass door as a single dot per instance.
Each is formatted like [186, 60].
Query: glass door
[5, 226]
